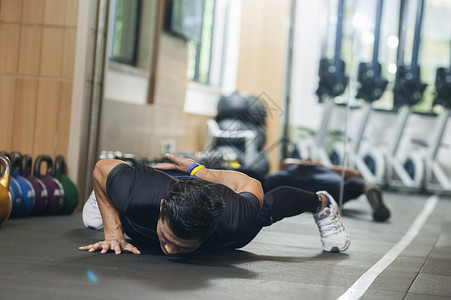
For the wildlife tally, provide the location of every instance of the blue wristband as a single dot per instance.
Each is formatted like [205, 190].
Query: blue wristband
[192, 167]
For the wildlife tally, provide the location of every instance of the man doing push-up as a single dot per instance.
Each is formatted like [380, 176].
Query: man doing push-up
[203, 208]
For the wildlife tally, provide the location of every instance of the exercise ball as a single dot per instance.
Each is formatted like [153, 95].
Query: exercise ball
[242, 106]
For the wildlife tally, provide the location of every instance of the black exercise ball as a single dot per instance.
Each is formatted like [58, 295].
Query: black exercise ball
[242, 106]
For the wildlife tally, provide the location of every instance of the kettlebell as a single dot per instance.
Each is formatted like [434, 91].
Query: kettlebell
[26, 189]
[41, 195]
[5, 197]
[14, 189]
[71, 192]
[54, 188]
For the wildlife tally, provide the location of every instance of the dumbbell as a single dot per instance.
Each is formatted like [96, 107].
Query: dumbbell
[41, 195]
[26, 189]
[53, 186]
[71, 192]
[5, 196]
[14, 189]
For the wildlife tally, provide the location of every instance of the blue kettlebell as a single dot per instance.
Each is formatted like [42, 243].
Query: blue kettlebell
[26, 189]
[14, 189]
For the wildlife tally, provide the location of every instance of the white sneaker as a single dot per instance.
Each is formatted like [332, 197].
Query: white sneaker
[91, 213]
[334, 236]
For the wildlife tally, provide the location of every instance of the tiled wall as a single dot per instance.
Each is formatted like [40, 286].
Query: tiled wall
[37, 48]
[142, 128]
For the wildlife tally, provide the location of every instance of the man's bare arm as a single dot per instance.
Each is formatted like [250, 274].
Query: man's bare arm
[114, 236]
[237, 181]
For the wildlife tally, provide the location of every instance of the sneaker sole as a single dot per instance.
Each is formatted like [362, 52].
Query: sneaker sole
[381, 214]
[337, 249]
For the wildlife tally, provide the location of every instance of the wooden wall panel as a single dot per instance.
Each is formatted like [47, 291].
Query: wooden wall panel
[32, 11]
[54, 12]
[71, 15]
[30, 50]
[10, 10]
[7, 94]
[24, 115]
[263, 48]
[51, 55]
[35, 85]
[46, 117]
[9, 45]
[68, 53]
[63, 118]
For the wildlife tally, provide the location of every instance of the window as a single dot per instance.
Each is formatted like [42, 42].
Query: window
[200, 53]
[125, 32]
[213, 62]
[131, 41]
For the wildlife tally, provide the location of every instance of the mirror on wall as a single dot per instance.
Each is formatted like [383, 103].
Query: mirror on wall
[126, 28]
[131, 48]
[184, 18]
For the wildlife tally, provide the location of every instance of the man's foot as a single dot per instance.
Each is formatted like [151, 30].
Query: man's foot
[91, 214]
[374, 195]
[334, 236]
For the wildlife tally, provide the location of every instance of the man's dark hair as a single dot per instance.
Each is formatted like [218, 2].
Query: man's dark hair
[192, 209]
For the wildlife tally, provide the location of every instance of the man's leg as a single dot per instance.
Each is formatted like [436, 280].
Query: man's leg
[355, 187]
[315, 178]
[374, 195]
[277, 204]
[91, 214]
[287, 201]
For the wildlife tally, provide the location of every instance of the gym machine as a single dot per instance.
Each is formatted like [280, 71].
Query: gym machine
[372, 86]
[408, 91]
[332, 83]
[436, 179]
[434, 170]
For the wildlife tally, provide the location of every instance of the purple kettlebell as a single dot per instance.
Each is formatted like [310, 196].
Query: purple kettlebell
[54, 188]
[41, 195]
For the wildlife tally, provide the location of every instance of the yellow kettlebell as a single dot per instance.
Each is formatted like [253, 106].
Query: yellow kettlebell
[5, 197]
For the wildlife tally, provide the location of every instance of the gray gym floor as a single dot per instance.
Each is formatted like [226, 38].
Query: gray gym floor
[39, 259]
